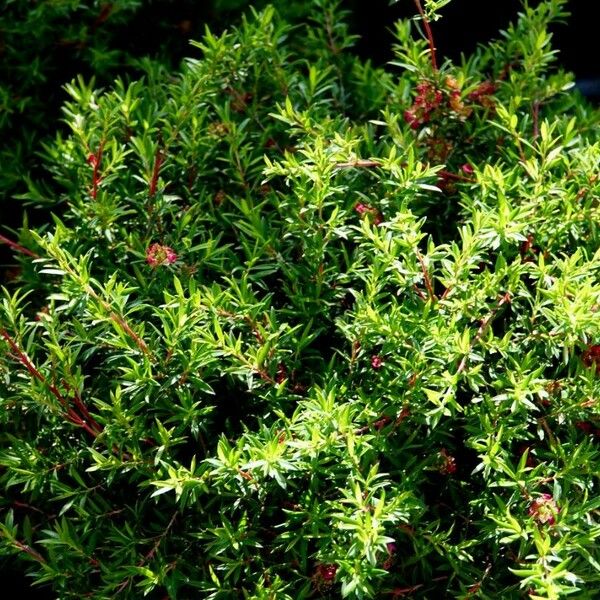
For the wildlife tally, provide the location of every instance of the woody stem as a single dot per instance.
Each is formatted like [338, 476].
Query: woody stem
[428, 33]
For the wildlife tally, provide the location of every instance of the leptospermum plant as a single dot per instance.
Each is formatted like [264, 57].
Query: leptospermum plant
[312, 328]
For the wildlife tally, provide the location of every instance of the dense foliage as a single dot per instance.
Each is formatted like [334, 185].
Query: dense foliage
[40, 43]
[45, 43]
[308, 328]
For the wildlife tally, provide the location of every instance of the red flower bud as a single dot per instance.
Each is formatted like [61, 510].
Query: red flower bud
[324, 576]
[591, 356]
[448, 463]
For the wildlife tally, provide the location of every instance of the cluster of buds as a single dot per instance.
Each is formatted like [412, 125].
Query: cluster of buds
[427, 101]
[591, 356]
[447, 464]
[455, 101]
[324, 577]
[374, 213]
[218, 129]
[430, 98]
[438, 149]
[483, 93]
[240, 100]
[158, 255]
[544, 509]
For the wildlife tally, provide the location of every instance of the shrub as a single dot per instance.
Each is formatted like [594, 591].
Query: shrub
[307, 328]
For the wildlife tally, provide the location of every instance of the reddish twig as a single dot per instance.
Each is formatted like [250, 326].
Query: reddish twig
[17, 247]
[485, 323]
[419, 293]
[426, 278]
[159, 158]
[150, 554]
[358, 163]
[262, 373]
[354, 355]
[536, 119]
[253, 325]
[446, 292]
[82, 408]
[103, 16]
[474, 589]
[159, 539]
[116, 317]
[377, 424]
[402, 592]
[18, 504]
[22, 357]
[140, 343]
[30, 551]
[95, 160]
[428, 33]
[456, 176]
[83, 420]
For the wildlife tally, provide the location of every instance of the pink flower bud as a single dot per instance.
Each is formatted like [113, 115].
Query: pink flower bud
[376, 362]
[158, 255]
[544, 509]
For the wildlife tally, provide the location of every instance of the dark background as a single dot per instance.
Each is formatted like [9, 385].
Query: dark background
[465, 24]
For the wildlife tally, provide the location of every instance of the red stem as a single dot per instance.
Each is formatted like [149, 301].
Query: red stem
[158, 161]
[419, 293]
[17, 247]
[82, 408]
[29, 550]
[426, 278]
[105, 12]
[85, 421]
[536, 119]
[96, 174]
[428, 33]
[456, 176]
[23, 358]
[140, 343]
[358, 163]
